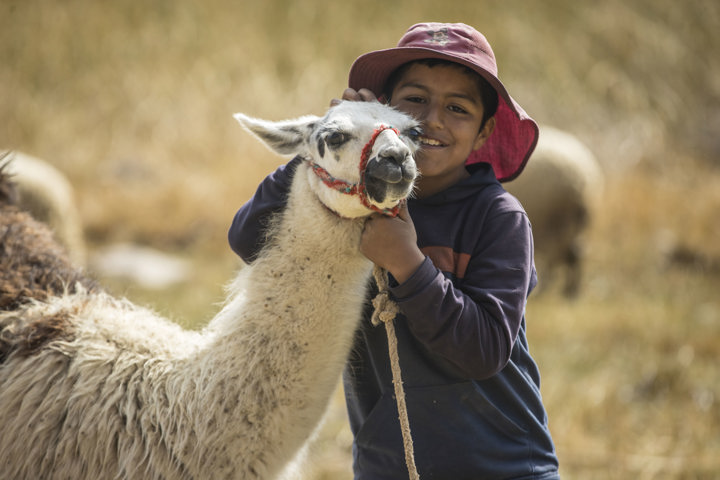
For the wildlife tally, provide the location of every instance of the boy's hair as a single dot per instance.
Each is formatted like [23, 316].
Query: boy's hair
[488, 94]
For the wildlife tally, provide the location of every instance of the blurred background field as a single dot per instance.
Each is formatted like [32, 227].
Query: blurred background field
[133, 100]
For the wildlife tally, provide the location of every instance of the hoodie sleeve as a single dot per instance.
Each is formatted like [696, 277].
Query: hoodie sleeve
[473, 322]
[247, 232]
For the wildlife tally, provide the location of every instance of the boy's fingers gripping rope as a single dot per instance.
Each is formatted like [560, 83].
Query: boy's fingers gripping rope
[385, 311]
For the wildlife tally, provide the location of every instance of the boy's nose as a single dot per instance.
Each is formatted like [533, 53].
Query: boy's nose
[432, 115]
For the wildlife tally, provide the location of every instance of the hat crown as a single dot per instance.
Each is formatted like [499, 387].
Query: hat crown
[457, 39]
[515, 134]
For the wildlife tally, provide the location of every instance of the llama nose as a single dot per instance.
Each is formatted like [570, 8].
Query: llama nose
[395, 155]
[390, 165]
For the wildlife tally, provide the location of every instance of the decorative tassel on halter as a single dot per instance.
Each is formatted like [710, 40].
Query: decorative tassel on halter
[385, 311]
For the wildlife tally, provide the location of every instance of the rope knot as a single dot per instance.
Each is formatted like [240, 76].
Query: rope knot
[384, 308]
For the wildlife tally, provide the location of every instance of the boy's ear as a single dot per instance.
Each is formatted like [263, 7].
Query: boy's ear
[285, 137]
[484, 133]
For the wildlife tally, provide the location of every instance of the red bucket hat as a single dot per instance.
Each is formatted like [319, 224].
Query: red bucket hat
[515, 134]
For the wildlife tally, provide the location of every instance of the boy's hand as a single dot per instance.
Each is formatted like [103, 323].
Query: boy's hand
[391, 243]
[362, 95]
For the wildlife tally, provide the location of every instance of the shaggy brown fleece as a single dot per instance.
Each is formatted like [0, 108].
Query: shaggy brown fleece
[33, 266]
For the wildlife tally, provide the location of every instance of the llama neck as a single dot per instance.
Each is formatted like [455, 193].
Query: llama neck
[312, 276]
[312, 271]
[313, 259]
[283, 340]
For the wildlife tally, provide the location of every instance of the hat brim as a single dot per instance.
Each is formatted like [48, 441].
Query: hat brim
[515, 136]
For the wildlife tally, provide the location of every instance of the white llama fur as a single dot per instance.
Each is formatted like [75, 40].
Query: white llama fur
[132, 395]
[46, 193]
[560, 189]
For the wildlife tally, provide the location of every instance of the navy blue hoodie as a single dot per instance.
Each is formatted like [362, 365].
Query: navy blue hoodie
[472, 389]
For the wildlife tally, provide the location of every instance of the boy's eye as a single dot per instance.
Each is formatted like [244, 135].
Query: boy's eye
[456, 109]
[414, 99]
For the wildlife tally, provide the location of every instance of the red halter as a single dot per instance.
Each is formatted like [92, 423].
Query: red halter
[357, 188]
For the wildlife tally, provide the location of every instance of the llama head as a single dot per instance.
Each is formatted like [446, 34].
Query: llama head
[360, 154]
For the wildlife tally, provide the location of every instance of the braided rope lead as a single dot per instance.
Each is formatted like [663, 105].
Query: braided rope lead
[385, 311]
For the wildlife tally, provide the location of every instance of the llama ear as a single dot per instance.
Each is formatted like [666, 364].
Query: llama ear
[285, 137]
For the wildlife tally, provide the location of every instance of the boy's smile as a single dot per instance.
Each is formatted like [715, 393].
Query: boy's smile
[447, 101]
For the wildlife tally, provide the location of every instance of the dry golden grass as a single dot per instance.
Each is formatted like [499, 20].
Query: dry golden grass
[630, 377]
[133, 100]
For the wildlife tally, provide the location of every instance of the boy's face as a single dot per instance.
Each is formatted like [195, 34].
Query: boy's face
[447, 102]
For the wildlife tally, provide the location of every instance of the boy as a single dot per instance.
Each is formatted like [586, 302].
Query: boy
[460, 257]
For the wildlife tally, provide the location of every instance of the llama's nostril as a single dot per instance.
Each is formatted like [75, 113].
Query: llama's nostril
[393, 154]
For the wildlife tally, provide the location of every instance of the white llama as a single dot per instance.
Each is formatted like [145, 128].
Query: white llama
[116, 392]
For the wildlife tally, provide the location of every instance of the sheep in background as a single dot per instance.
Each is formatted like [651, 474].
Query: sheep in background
[47, 195]
[559, 188]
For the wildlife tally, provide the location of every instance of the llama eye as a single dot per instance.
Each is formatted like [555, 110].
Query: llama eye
[335, 139]
[414, 133]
